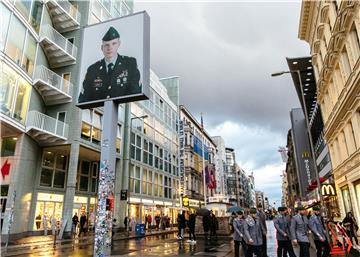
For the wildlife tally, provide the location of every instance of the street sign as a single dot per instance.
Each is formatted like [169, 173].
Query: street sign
[123, 195]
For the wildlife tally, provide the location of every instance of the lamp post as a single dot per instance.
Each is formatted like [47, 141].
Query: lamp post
[307, 127]
[129, 165]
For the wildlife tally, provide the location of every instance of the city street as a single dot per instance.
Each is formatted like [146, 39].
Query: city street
[159, 245]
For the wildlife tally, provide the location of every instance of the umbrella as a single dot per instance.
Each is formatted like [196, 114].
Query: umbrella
[202, 211]
[234, 209]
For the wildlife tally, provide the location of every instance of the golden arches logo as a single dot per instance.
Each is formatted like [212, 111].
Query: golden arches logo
[328, 190]
[305, 154]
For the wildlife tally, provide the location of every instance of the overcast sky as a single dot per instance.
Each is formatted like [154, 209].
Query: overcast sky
[224, 53]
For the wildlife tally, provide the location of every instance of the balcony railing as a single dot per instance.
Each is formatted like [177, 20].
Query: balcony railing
[70, 9]
[56, 39]
[47, 76]
[46, 125]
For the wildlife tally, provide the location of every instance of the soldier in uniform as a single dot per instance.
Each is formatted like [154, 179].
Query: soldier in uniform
[113, 76]
[320, 238]
[299, 231]
[238, 236]
[282, 226]
[254, 231]
[262, 217]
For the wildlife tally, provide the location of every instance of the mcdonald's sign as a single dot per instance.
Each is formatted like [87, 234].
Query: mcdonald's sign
[328, 190]
[305, 154]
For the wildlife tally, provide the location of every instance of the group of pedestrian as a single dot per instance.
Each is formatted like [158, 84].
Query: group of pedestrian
[83, 222]
[210, 224]
[250, 233]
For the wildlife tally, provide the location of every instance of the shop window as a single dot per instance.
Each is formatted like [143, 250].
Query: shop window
[15, 42]
[8, 146]
[5, 19]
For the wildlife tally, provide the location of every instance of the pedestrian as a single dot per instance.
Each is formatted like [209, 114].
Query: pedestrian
[191, 225]
[146, 220]
[83, 220]
[178, 225]
[262, 218]
[214, 225]
[231, 220]
[299, 231]
[157, 221]
[254, 232]
[282, 226]
[206, 225]
[75, 221]
[317, 227]
[238, 235]
[126, 223]
[149, 220]
[163, 222]
[351, 226]
[38, 221]
[92, 222]
[114, 227]
[182, 224]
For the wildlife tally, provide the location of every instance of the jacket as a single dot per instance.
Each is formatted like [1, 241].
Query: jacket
[255, 230]
[300, 228]
[282, 226]
[316, 226]
[238, 225]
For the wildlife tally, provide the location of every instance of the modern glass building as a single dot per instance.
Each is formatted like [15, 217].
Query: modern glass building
[50, 149]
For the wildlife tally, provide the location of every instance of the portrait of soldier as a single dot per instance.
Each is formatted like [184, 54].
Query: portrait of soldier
[113, 76]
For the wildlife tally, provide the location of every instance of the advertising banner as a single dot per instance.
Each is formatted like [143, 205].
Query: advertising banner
[115, 61]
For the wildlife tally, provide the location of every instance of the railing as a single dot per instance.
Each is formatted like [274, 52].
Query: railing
[70, 9]
[57, 38]
[46, 123]
[50, 77]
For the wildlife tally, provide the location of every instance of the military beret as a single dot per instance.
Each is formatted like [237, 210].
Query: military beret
[300, 208]
[111, 34]
[282, 208]
[316, 208]
[253, 210]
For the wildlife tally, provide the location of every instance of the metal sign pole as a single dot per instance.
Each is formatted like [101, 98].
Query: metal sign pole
[103, 227]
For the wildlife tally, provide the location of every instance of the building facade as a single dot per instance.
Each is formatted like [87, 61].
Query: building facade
[50, 149]
[332, 30]
[231, 176]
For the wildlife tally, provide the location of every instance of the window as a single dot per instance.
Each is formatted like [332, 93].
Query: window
[35, 18]
[53, 169]
[91, 126]
[24, 7]
[134, 179]
[14, 94]
[29, 55]
[135, 151]
[94, 177]
[84, 176]
[167, 187]
[5, 19]
[8, 146]
[66, 81]
[15, 41]
[118, 139]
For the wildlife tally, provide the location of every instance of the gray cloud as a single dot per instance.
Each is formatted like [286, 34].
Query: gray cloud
[224, 53]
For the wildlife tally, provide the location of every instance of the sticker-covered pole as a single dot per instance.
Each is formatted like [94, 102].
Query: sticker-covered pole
[103, 227]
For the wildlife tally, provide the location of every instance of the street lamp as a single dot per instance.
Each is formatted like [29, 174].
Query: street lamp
[307, 126]
[129, 165]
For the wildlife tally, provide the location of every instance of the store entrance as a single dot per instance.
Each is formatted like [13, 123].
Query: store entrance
[44, 213]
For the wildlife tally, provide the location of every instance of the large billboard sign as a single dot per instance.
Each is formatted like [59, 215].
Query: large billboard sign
[115, 61]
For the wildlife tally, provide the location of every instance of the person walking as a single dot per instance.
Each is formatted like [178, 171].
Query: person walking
[182, 225]
[157, 221]
[282, 226]
[299, 231]
[126, 222]
[149, 220]
[319, 232]
[238, 235]
[146, 220]
[75, 221]
[191, 225]
[231, 221]
[214, 225]
[83, 221]
[351, 226]
[206, 226]
[262, 217]
[254, 232]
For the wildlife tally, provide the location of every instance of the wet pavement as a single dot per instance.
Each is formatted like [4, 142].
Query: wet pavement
[156, 245]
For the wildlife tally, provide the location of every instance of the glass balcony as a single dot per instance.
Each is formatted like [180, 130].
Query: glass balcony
[58, 49]
[65, 16]
[53, 88]
[45, 129]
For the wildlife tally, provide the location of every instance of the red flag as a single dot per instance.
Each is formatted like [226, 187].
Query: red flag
[5, 169]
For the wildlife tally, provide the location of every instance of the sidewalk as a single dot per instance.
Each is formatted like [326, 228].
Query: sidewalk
[34, 243]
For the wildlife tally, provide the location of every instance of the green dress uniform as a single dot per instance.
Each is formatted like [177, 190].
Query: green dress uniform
[104, 81]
